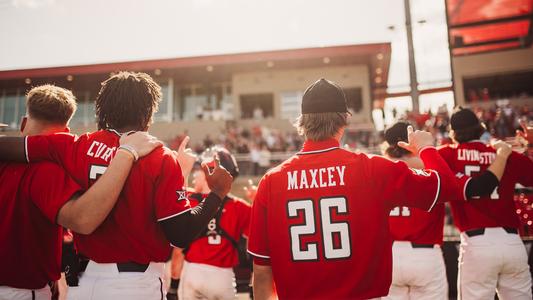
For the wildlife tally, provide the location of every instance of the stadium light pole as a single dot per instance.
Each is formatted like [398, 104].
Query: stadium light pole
[412, 65]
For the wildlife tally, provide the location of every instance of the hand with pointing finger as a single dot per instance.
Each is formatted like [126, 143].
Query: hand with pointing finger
[416, 140]
[218, 179]
[186, 157]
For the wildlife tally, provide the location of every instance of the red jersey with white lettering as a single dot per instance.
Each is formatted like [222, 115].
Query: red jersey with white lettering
[153, 192]
[215, 249]
[31, 196]
[498, 209]
[416, 225]
[320, 219]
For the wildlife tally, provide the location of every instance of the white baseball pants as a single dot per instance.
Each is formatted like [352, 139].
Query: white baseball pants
[200, 281]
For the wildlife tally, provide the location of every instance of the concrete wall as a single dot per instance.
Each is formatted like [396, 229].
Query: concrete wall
[488, 64]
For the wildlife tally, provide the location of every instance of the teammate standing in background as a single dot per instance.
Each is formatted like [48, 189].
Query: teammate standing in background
[492, 254]
[207, 263]
[319, 227]
[33, 207]
[418, 266]
[126, 254]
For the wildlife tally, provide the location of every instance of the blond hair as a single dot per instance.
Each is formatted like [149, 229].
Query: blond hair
[320, 126]
[51, 104]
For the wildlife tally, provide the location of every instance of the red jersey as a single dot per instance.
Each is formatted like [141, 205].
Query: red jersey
[215, 249]
[320, 219]
[30, 255]
[153, 192]
[417, 226]
[498, 209]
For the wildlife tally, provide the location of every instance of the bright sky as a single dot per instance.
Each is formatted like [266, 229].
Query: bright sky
[43, 33]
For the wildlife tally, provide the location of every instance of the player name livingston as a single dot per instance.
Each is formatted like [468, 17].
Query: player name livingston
[484, 158]
[316, 178]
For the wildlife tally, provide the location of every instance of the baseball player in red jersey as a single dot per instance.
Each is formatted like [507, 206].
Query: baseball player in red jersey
[319, 226]
[126, 254]
[33, 207]
[492, 255]
[207, 264]
[418, 266]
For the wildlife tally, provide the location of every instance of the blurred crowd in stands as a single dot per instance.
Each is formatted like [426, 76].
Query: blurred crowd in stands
[261, 146]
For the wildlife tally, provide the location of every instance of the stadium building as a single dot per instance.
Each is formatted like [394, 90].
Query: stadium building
[202, 94]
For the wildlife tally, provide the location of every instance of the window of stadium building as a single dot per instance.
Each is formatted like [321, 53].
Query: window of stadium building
[257, 106]
[85, 112]
[12, 109]
[515, 86]
[290, 105]
[163, 112]
[204, 102]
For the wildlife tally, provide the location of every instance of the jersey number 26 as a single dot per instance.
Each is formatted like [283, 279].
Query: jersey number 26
[309, 251]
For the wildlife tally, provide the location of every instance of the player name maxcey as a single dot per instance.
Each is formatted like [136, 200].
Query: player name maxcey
[316, 178]
[484, 158]
[101, 150]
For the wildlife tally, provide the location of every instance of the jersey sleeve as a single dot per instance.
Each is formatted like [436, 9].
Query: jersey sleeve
[521, 168]
[50, 188]
[258, 238]
[402, 186]
[56, 148]
[170, 194]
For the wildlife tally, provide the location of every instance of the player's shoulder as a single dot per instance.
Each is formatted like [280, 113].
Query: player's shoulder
[44, 169]
[160, 156]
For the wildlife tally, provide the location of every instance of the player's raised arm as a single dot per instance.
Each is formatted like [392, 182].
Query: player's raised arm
[84, 214]
[12, 149]
[183, 228]
[415, 188]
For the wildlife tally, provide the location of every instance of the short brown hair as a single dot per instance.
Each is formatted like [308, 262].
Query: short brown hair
[127, 99]
[320, 126]
[50, 103]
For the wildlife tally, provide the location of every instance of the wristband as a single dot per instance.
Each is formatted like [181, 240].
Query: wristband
[131, 150]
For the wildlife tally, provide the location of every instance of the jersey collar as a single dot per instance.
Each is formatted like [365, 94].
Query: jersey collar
[313, 147]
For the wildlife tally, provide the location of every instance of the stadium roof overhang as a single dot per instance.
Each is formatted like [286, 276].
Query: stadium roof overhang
[479, 26]
[217, 67]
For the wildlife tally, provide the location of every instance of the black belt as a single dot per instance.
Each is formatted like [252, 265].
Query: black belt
[481, 231]
[122, 267]
[422, 245]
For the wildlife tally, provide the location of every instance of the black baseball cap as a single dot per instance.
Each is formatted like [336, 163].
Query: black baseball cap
[324, 96]
[463, 118]
[397, 133]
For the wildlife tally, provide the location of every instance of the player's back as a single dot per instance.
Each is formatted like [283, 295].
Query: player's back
[130, 233]
[31, 240]
[325, 229]
[496, 210]
[417, 226]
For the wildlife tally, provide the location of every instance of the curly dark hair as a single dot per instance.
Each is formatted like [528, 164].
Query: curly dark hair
[127, 99]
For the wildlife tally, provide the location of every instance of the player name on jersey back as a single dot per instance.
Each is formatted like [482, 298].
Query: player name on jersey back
[484, 158]
[316, 178]
[101, 150]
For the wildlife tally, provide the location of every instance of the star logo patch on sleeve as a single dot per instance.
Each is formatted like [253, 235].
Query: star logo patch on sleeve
[182, 195]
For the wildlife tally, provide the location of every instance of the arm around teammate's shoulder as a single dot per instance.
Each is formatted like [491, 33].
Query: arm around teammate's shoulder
[85, 213]
[415, 188]
[12, 149]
